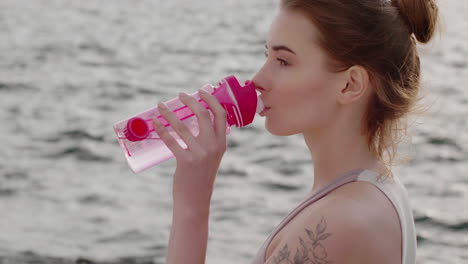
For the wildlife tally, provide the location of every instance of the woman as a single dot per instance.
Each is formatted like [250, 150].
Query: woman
[343, 74]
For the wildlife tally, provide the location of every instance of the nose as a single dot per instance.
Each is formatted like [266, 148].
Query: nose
[260, 80]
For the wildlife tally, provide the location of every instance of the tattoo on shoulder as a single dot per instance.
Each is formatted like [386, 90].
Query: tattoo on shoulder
[311, 250]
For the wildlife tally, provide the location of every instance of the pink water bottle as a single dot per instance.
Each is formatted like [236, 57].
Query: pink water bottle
[141, 143]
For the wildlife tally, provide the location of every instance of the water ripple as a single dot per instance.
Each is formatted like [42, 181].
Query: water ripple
[460, 226]
[98, 200]
[129, 236]
[6, 192]
[80, 153]
[276, 186]
[76, 134]
[29, 257]
[16, 87]
[439, 141]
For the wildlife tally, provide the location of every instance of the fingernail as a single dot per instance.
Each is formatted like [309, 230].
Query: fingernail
[202, 91]
[182, 94]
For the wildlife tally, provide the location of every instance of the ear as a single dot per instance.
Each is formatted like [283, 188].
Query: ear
[356, 86]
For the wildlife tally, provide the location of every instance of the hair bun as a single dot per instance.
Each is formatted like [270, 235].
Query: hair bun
[421, 17]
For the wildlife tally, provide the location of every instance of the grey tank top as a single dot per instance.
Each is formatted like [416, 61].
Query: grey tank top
[392, 188]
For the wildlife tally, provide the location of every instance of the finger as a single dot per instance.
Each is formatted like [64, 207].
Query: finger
[166, 137]
[202, 114]
[219, 112]
[180, 128]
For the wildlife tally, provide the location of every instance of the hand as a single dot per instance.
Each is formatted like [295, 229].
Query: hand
[197, 165]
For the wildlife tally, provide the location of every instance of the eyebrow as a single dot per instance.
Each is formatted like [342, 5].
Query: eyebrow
[281, 47]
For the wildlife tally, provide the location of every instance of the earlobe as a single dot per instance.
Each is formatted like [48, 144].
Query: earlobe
[356, 85]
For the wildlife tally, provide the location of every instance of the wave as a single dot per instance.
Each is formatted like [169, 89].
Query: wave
[460, 226]
[80, 153]
[76, 134]
[9, 87]
[232, 172]
[281, 186]
[129, 236]
[98, 200]
[6, 192]
[32, 257]
[438, 141]
[15, 175]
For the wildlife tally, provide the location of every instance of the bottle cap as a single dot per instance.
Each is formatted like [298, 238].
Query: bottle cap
[136, 129]
[245, 100]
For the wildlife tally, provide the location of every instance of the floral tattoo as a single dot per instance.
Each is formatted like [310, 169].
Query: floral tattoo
[310, 252]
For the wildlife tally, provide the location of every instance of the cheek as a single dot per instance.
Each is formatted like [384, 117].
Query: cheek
[316, 104]
[306, 104]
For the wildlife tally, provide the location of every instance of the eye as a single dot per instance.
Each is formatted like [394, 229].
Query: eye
[283, 62]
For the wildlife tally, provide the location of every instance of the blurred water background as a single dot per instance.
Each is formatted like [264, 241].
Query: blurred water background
[70, 69]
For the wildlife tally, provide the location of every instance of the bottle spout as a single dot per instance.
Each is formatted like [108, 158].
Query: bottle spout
[260, 105]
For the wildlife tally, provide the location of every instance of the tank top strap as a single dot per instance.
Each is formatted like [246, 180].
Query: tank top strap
[347, 177]
[350, 176]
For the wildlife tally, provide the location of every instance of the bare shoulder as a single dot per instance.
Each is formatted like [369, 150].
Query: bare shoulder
[341, 228]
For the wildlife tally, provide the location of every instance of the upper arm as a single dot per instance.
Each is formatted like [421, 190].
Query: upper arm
[311, 244]
[332, 233]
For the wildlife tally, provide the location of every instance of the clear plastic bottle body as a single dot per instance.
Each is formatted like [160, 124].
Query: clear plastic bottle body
[152, 150]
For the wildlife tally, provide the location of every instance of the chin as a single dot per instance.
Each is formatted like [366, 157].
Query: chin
[282, 131]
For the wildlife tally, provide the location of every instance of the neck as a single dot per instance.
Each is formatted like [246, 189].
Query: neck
[337, 150]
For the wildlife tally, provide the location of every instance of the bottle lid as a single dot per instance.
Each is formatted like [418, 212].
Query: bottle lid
[246, 97]
[136, 129]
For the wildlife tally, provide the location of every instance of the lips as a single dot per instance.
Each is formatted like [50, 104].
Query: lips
[264, 108]
[264, 111]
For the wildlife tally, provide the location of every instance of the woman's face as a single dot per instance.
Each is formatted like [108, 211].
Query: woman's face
[294, 81]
